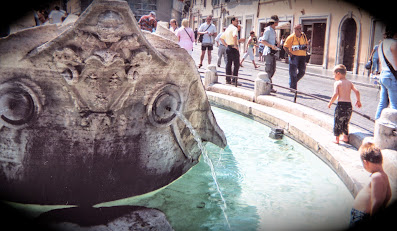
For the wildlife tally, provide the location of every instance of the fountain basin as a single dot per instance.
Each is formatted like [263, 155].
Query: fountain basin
[267, 184]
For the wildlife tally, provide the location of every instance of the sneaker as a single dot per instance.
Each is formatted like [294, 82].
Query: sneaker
[273, 91]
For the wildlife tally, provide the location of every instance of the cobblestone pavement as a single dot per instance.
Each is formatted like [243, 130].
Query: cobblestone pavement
[317, 81]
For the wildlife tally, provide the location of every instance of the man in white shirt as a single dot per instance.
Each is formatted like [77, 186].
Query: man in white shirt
[208, 30]
[230, 40]
[269, 40]
[56, 15]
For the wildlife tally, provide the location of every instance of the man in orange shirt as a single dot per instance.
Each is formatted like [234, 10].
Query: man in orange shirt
[296, 45]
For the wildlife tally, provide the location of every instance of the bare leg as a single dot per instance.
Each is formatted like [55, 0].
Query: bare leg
[241, 63]
[336, 141]
[253, 61]
[201, 58]
[209, 57]
[345, 138]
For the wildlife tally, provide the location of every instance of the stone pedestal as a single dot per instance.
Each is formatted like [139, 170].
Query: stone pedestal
[385, 133]
[211, 76]
[262, 85]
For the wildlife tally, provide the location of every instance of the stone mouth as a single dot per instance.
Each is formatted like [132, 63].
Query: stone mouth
[87, 113]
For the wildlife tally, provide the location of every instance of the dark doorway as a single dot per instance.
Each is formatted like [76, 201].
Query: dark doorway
[315, 32]
[348, 42]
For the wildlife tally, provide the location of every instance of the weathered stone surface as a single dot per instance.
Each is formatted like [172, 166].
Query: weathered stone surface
[164, 31]
[87, 115]
[385, 133]
[105, 219]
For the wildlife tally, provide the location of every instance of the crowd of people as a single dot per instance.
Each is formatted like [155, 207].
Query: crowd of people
[56, 15]
[373, 197]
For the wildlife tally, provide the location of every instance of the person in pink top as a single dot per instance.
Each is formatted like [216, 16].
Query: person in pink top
[185, 36]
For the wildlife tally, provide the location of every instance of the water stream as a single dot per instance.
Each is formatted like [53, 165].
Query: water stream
[207, 160]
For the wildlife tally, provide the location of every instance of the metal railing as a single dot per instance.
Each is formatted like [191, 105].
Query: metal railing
[296, 92]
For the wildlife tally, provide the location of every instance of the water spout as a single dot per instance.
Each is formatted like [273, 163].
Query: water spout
[207, 160]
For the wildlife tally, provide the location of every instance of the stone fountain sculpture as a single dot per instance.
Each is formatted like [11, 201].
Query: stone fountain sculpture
[88, 111]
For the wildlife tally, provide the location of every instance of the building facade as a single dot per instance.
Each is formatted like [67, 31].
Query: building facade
[165, 11]
[339, 32]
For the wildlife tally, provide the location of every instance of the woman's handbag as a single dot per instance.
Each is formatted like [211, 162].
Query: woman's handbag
[368, 65]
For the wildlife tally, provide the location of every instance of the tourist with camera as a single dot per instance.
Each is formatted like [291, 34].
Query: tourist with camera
[296, 47]
[269, 40]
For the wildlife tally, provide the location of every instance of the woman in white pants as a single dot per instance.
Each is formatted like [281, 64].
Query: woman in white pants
[252, 42]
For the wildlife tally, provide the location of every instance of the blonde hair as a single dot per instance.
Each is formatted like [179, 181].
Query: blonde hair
[185, 22]
[340, 68]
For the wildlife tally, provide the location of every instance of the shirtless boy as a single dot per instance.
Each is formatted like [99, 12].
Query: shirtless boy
[343, 110]
[374, 196]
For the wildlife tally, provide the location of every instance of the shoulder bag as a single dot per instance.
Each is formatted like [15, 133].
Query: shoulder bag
[189, 36]
[389, 65]
[202, 36]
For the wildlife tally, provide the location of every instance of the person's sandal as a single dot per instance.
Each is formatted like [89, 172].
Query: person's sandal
[200, 65]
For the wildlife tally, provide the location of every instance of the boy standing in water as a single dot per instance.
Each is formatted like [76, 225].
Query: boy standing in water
[343, 110]
[374, 196]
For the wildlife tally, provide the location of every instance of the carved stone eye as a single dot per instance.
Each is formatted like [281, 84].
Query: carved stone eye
[70, 74]
[163, 105]
[19, 103]
[16, 107]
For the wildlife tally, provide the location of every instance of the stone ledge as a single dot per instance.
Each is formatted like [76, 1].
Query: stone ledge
[343, 159]
[356, 136]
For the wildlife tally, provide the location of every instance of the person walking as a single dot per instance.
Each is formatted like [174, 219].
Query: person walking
[229, 39]
[185, 36]
[388, 77]
[261, 48]
[269, 40]
[173, 25]
[251, 43]
[221, 48]
[148, 22]
[375, 61]
[208, 30]
[296, 46]
[195, 35]
[282, 51]
[343, 110]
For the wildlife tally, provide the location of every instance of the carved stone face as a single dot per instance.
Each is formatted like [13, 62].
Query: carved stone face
[100, 85]
[90, 116]
[110, 24]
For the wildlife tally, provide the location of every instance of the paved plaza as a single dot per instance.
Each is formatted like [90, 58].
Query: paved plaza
[317, 81]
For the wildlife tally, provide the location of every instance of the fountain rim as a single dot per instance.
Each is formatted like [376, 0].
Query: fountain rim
[350, 172]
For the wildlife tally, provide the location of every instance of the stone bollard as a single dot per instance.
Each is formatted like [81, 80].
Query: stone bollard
[262, 85]
[385, 133]
[210, 76]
